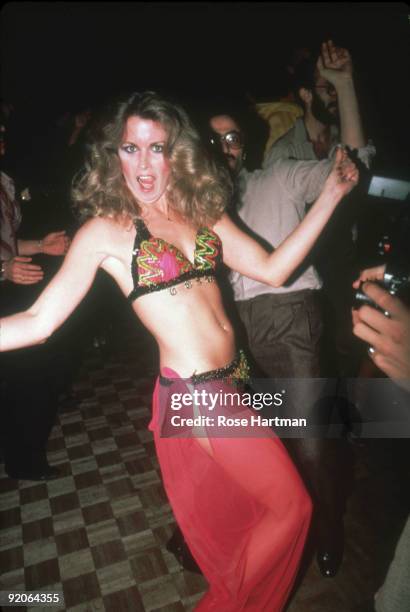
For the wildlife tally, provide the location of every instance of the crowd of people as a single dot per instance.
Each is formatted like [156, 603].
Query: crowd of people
[167, 206]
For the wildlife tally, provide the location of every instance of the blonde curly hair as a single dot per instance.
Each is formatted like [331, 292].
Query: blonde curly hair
[198, 189]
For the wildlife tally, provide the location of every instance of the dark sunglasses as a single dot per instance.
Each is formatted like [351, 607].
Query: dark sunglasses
[233, 139]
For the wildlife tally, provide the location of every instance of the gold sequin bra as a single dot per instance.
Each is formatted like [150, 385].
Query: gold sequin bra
[158, 265]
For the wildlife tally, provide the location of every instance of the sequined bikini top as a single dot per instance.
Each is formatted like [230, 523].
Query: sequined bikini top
[158, 265]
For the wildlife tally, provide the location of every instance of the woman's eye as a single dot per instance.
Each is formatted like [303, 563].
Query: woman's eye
[157, 148]
[129, 148]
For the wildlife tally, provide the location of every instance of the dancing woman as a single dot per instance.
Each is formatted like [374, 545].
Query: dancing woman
[156, 224]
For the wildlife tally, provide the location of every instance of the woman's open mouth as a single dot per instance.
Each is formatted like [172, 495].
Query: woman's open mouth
[146, 182]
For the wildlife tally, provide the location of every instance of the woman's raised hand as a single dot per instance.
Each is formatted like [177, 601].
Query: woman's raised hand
[343, 176]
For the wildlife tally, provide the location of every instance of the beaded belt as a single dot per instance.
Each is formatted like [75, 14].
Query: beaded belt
[237, 371]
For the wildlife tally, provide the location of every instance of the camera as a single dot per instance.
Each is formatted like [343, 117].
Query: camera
[395, 280]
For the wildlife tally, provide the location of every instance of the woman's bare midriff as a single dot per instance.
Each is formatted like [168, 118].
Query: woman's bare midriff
[191, 328]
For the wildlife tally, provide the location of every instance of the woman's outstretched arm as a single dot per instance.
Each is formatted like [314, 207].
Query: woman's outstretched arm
[62, 294]
[243, 254]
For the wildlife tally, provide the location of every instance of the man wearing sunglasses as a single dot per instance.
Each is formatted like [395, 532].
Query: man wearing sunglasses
[226, 137]
[285, 328]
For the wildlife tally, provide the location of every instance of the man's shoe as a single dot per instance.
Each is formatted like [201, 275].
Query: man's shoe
[329, 562]
[48, 473]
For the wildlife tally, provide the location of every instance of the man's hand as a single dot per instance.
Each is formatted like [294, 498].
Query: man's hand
[334, 64]
[56, 243]
[19, 271]
[371, 274]
[388, 336]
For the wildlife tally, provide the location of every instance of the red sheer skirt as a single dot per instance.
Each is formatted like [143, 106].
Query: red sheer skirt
[239, 501]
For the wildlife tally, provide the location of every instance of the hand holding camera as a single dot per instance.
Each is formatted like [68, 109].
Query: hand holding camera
[386, 325]
[394, 279]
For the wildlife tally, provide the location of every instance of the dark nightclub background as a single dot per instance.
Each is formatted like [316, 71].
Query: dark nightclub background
[62, 56]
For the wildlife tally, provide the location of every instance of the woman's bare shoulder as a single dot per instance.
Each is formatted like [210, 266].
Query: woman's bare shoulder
[223, 224]
[105, 228]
